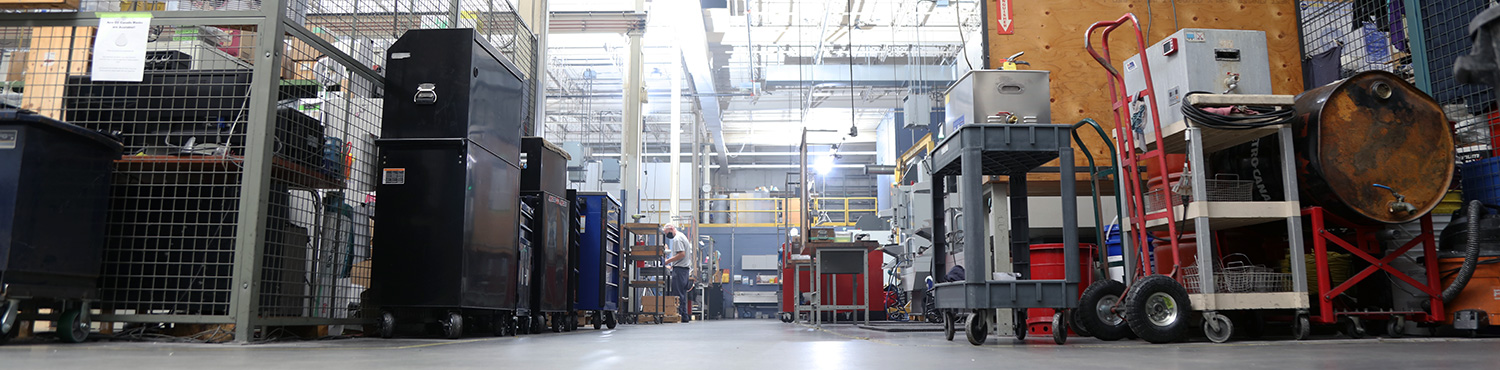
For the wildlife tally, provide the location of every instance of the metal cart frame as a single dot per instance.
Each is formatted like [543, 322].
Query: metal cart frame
[970, 153]
[1190, 138]
[1326, 291]
[636, 309]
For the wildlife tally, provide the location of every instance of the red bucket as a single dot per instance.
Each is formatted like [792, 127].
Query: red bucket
[1047, 263]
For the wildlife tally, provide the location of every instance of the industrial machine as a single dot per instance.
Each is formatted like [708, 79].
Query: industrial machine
[448, 250]
[54, 194]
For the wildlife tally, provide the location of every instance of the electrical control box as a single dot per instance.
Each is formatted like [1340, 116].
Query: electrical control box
[996, 96]
[1196, 60]
[918, 109]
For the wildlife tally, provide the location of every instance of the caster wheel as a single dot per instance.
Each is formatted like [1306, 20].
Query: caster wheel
[1060, 326]
[1301, 327]
[500, 326]
[977, 329]
[557, 323]
[786, 317]
[1098, 313]
[1020, 317]
[453, 325]
[73, 327]
[597, 320]
[1222, 333]
[7, 319]
[1076, 325]
[1157, 309]
[387, 325]
[1352, 327]
[609, 320]
[1396, 327]
[950, 327]
[538, 323]
[1257, 324]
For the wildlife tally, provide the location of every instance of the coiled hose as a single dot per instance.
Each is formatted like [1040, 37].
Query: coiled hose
[1471, 254]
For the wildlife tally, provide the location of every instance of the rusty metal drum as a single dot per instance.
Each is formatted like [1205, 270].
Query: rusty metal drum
[1372, 149]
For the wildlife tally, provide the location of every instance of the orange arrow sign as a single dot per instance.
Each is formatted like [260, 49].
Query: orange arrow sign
[1003, 17]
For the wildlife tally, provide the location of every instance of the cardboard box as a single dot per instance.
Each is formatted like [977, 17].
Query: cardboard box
[302, 51]
[143, 6]
[647, 250]
[16, 66]
[298, 70]
[39, 4]
[667, 304]
[672, 319]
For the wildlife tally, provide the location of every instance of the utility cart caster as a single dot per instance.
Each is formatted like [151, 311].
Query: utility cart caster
[1396, 327]
[609, 320]
[1020, 317]
[453, 325]
[1218, 328]
[950, 327]
[503, 326]
[1351, 327]
[597, 319]
[978, 328]
[786, 317]
[73, 326]
[386, 327]
[1301, 327]
[1060, 326]
[8, 327]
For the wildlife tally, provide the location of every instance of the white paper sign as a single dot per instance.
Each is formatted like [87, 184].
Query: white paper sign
[120, 47]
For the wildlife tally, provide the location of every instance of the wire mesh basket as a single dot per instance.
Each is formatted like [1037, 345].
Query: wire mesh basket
[1222, 188]
[1239, 277]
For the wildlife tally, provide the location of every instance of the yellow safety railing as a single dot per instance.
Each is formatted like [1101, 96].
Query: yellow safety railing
[763, 212]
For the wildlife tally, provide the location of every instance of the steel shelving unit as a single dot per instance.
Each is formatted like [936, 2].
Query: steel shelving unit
[1212, 287]
[647, 245]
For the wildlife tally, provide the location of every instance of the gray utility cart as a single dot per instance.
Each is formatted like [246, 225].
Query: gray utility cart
[970, 153]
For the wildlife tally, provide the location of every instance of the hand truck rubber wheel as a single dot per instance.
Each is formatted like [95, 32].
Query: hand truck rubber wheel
[1099, 312]
[1157, 309]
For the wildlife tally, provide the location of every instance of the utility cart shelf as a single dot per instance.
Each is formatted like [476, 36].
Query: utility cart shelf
[1174, 135]
[1249, 301]
[1226, 215]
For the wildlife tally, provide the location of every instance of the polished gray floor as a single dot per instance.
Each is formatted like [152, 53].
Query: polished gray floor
[760, 345]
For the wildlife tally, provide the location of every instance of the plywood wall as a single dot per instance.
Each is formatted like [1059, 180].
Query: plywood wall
[1051, 32]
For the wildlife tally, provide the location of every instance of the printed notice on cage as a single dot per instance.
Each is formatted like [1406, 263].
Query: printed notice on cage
[120, 47]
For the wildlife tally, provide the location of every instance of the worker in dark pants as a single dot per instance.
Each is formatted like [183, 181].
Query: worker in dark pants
[680, 250]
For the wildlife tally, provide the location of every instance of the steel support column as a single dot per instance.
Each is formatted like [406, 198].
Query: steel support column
[630, 161]
[250, 235]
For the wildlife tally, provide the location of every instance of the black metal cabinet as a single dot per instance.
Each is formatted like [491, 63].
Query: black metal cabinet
[450, 83]
[447, 232]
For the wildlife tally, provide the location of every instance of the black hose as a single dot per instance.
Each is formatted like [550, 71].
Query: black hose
[1471, 255]
[1265, 116]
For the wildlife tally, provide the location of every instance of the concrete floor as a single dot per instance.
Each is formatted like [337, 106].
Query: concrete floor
[757, 345]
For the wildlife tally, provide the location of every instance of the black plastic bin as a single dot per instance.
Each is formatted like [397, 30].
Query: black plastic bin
[54, 195]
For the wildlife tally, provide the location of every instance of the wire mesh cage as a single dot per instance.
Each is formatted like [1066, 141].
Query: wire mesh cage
[1345, 37]
[205, 163]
